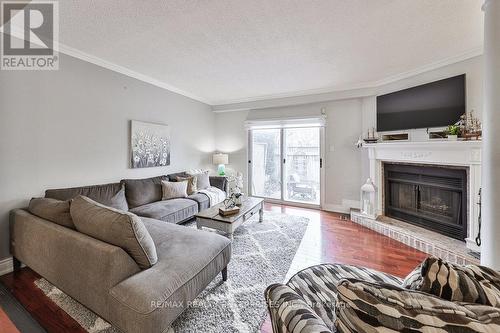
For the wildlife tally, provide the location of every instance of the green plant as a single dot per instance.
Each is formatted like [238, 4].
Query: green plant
[453, 130]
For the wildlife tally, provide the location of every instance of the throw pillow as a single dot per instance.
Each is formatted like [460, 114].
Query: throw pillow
[192, 187]
[377, 307]
[116, 227]
[173, 190]
[119, 200]
[54, 210]
[202, 179]
[471, 283]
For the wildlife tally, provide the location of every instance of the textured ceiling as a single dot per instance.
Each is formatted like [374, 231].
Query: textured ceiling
[224, 51]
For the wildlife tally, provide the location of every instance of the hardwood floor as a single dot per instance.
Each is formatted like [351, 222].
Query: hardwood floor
[54, 320]
[6, 326]
[328, 239]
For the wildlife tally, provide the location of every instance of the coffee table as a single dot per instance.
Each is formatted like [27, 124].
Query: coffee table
[210, 217]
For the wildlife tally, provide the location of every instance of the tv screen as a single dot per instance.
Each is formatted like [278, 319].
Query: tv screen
[435, 104]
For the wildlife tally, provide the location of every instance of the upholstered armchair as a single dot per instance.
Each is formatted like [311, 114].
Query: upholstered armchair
[345, 298]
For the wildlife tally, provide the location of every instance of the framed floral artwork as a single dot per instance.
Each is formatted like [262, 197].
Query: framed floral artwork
[150, 144]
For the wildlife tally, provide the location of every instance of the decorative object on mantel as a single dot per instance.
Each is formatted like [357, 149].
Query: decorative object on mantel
[150, 144]
[452, 132]
[471, 126]
[368, 199]
[221, 160]
[371, 138]
[359, 143]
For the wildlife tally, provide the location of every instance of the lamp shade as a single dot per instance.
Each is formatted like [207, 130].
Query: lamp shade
[220, 159]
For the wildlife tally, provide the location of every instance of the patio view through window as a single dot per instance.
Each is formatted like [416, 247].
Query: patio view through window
[285, 164]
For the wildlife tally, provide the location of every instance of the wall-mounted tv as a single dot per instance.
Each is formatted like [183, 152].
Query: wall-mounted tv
[435, 104]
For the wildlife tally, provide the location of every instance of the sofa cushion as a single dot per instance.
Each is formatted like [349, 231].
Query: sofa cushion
[188, 260]
[112, 195]
[201, 199]
[53, 210]
[141, 192]
[174, 190]
[377, 307]
[116, 227]
[173, 211]
[471, 283]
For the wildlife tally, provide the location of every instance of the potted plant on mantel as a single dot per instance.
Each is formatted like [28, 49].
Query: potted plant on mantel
[452, 132]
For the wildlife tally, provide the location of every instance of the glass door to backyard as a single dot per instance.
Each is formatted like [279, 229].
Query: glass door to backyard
[286, 163]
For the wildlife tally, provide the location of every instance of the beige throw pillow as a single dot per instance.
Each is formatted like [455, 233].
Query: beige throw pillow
[192, 187]
[54, 210]
[173, 190]
[116, 227]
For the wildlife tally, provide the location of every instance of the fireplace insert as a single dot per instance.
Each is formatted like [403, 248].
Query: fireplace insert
[431, 197]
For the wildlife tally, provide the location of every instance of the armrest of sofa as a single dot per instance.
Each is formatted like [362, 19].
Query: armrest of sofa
[81, 266]
[290, 313]
[220, 182]
[386, 307]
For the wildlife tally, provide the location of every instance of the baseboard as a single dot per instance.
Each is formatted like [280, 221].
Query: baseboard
[335, 208]
[345, 207]
[6, 266]
[351, 204]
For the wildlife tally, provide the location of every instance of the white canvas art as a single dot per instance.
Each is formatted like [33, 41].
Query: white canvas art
[150, 144]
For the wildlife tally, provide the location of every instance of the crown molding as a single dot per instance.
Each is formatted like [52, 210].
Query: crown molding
[299, 97]
[75, 53]
[357, 90]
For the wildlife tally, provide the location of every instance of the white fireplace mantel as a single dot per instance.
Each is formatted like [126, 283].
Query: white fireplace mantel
[445, 153]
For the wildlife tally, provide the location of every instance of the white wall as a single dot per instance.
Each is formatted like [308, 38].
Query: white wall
[71, 127]
[231, 138]
[473, 68]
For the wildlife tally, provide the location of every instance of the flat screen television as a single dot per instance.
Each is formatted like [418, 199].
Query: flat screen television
[435, 104]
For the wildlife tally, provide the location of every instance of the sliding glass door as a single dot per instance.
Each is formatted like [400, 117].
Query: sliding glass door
[285, 164]
[302, 165]
[266, 163]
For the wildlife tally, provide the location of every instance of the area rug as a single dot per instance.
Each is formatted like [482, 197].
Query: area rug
[262, 255]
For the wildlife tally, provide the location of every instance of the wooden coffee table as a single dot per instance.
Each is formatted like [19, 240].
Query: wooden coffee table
[210, 217]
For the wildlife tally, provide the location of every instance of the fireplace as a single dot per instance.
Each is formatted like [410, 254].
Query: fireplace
[428, 196]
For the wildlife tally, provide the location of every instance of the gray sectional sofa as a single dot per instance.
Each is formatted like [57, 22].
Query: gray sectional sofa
[143, 197]
[104, 277]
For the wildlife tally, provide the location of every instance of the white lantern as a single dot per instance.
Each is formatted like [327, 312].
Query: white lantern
[368, 199]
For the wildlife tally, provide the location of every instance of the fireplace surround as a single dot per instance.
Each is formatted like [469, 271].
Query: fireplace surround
[432, 197]
[464, 155]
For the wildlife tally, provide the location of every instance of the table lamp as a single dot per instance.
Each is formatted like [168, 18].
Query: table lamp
[221, 160]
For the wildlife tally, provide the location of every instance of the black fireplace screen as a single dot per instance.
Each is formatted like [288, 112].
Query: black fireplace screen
[431, 197]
